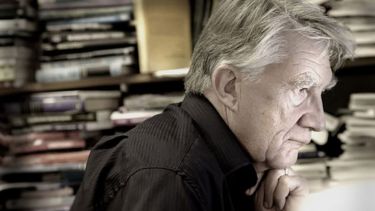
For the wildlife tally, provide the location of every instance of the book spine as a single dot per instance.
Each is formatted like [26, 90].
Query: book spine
[58, 74]
[94, 62]
[101, 19]
[61, 105]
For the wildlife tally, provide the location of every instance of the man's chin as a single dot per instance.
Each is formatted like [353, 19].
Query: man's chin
[284, 162]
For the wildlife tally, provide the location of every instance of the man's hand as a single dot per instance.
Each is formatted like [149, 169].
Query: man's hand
[278, 191]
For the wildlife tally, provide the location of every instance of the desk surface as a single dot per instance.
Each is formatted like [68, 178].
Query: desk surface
[343, 196]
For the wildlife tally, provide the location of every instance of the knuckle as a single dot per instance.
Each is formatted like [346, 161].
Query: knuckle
[284, 180]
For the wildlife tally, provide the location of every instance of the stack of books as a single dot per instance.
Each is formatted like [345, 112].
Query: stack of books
[138, 108]
[358, 141]
[49, 139]
[62, 111]
[18, 28]
[312, 166]
[86, 38]
[39, 188]
[359, 16]
[313, 158]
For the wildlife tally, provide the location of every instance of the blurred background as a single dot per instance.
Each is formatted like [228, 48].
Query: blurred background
[73, 71]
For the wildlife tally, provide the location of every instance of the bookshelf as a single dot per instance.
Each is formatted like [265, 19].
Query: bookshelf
[355, 76]
[87, 51]
[356, 67]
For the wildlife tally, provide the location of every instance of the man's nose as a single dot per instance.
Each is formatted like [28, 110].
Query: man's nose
[314, 118]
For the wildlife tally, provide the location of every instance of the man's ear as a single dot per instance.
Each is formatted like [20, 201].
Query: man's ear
[225, 85]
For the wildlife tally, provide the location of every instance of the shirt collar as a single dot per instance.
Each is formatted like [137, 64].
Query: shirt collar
[234, 160]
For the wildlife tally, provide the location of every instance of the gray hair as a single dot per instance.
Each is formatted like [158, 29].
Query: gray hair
[249, 35]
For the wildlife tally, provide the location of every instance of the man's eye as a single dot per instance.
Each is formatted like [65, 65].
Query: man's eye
[299, 96]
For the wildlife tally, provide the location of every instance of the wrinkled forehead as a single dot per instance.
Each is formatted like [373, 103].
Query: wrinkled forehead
[303, 49]
[297, 42]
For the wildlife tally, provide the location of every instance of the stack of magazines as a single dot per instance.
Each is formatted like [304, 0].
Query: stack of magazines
[359, 16]
[86, 38]
[358, 141]
[49, 139]
[18, 27]
[138, 108]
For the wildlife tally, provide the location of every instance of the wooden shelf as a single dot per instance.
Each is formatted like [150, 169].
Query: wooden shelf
[101, 82]
[87, 83]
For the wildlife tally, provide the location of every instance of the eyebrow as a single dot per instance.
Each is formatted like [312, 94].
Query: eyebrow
[307, 78]
[304, 79]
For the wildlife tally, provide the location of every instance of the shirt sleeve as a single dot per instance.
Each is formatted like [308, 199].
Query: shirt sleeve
[156, 189]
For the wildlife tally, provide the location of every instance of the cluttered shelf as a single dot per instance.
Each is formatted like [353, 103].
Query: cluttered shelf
[88, 83]
[136, 79]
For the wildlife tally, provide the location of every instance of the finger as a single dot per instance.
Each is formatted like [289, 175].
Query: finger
[281, 192]
[259, 197]
[287, 188]
[270, 183]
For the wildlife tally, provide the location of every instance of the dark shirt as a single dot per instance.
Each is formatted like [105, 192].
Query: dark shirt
[183, 159]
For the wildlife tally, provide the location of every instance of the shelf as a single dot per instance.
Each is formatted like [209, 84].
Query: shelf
[87, 83]
[132, 79]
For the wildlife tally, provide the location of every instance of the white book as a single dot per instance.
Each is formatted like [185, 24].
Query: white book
[364, 37]
[359, 122]
[367, 51]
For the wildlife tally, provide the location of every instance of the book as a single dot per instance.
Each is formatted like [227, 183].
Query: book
[58, 4]
[362, 101]
[47, 158]
[43, 146]
[151, 101]
[20, 121]
[81, 94]
[44, 136]
[361, 139]
[365, 51]
[88, 63]
[73, 126]
[360, 169]
[132, 117]
[130, 50]
[75, 73]
[59, 167]
[311, 171]
[82, 35]
[38, 185]
[364, 37]
[72, 104]
[359, 122]
[358, 23]
[54, 14]
[90, 44]
[164, 34]
[60, 192]
[112, 18]
[17, 25]
[171, 73]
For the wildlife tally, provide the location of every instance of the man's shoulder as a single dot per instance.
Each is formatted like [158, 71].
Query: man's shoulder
[160, 142]
[169, 141]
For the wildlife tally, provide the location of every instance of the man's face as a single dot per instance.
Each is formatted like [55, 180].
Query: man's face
[277, 112]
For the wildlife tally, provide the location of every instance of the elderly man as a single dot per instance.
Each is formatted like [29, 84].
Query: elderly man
[253, 96]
